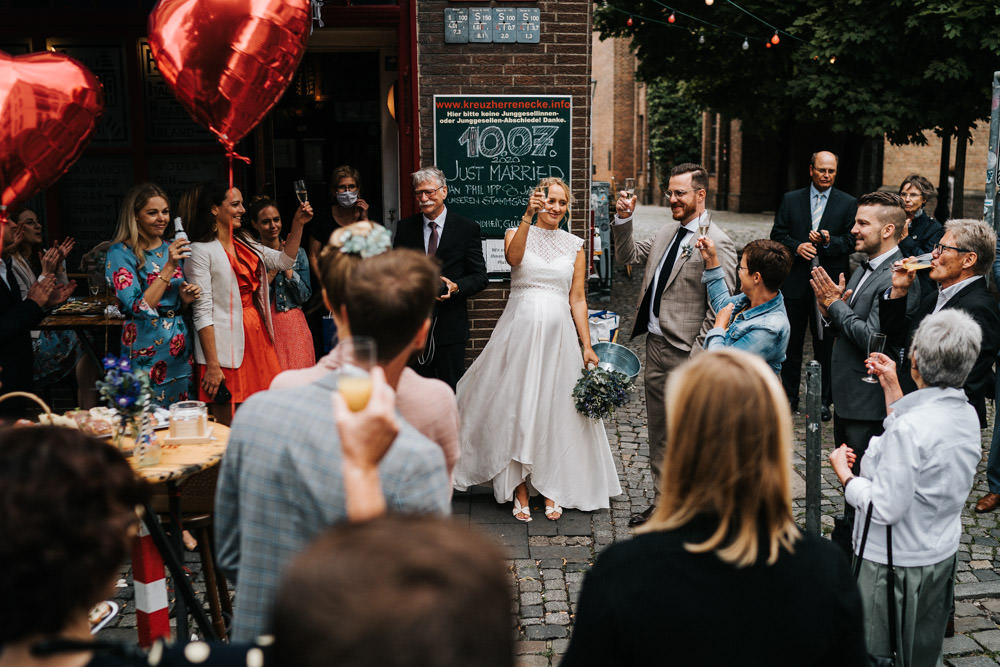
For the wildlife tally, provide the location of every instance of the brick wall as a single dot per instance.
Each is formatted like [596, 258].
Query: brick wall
[901, 161]
[558, 65]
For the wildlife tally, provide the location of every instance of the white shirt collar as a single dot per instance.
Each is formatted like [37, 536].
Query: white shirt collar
[439, 220]
[945, 294]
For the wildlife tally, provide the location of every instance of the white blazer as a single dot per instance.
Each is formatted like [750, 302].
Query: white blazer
[209, 268]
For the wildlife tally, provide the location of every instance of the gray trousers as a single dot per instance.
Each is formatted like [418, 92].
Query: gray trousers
[923, 598]
[661, 359]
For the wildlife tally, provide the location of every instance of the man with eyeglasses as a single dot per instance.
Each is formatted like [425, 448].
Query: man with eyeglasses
[674, 309]
[852, 308]
[959, 266]
[457, 242]
[815, 224]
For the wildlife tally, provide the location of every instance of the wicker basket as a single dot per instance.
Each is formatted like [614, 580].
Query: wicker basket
[48, 417]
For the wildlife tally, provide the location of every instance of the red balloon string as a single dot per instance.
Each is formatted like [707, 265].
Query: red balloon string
[230, 154]
[3, 223]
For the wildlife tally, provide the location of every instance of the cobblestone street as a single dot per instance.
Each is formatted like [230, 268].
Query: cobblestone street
[548, 560]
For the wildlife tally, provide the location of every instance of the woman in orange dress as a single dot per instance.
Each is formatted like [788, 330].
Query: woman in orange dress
[289, 290]
[234, 348]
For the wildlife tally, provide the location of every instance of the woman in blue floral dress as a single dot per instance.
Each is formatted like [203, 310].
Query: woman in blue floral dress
[147, 275]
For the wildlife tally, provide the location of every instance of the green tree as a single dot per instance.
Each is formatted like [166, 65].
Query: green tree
[896, 68]
[674, 127]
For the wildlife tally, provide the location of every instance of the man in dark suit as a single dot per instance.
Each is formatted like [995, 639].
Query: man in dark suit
[17, 318]
[859, 406]
[814, 223]
[961, 259]
[456, 242]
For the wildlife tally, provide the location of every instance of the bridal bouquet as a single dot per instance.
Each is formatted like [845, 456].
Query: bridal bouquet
[599, 391]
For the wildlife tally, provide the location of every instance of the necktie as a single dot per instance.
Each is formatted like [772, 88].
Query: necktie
[866, 269]
[432, 242]
[668, 265]
[817, 212]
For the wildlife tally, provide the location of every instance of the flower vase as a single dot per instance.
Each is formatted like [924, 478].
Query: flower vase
[147, 446]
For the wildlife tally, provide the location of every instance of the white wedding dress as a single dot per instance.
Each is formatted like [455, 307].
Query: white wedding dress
[518, 419]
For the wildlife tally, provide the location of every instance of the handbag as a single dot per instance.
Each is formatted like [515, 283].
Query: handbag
[882, 660]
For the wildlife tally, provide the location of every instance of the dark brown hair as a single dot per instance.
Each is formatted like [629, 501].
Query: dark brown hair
[699, 177]
[67, 504]
[389, 296]
[892, 211]
[769, 258]
[396, 591]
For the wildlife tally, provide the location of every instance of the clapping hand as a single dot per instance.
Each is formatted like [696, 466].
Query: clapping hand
[363, 206]
[826, 290]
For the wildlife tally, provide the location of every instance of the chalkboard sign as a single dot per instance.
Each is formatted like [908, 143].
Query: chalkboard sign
[493, 149]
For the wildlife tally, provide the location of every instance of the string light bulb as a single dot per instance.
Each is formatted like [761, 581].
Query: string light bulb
[774, 38]
[671, 18]
[767, 44]
[701, 39]
[709, 2]
[833, 59]
[746, 44]
[629, 22]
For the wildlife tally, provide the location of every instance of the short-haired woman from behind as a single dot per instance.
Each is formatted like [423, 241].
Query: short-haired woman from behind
[722, 543]
[915, 478]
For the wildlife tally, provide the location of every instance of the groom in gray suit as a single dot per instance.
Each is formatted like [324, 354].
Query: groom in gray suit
[674, 309]
[853, 313]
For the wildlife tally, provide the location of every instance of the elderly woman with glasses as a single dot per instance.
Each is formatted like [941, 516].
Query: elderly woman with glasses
[915, 478]
[921, 231]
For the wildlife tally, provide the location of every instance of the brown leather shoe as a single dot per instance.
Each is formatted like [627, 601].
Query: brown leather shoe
[988, 503]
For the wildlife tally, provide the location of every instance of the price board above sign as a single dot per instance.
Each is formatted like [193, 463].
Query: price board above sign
[492, 25]
[493, 149]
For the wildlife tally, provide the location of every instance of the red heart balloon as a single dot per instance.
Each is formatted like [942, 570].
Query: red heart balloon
[229, 61]
[49, 106]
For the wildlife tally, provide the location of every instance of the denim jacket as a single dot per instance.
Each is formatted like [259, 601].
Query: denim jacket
[762, 330]
[293, 292]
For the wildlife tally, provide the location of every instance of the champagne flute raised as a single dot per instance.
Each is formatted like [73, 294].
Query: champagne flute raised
[876, 343]
[300, 191]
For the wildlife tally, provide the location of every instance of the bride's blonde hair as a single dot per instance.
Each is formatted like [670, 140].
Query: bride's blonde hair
[554, 180]
[728, 456]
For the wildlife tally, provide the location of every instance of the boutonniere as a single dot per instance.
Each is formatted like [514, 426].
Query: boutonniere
[686, 250]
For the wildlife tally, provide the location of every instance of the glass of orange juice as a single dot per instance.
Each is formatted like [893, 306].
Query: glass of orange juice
[357, 360]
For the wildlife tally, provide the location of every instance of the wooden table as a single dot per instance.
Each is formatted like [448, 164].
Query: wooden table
[84, 324]
[151, 548]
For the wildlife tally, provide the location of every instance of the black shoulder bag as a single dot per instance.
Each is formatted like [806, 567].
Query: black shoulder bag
[890, 592]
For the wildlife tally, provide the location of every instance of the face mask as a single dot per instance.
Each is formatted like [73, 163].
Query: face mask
[347, 199]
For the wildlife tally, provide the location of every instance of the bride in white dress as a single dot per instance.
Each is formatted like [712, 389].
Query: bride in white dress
[520, 428]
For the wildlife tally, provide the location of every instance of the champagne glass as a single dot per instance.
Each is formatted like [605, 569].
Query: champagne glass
[876, 343]
[703, 223]
[543, 193]
[301, 192]
[919, 262]
[358, 359]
